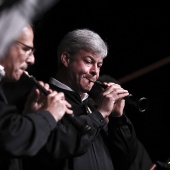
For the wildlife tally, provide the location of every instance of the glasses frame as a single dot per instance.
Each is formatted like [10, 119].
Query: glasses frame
[30, 48]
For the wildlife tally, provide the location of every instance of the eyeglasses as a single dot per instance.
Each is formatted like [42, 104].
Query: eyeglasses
[27, 49]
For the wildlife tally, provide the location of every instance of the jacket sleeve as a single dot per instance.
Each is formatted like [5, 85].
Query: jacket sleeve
[68, 140]
[23, 135]
[122, 141]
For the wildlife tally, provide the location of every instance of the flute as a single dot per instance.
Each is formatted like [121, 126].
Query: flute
[81, 126]
[140, 103]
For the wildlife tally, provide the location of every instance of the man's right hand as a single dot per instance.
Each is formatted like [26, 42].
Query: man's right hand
[55, 102]
[111, 100]
[57, 105]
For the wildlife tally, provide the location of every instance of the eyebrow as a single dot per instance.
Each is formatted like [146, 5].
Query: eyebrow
[101, 62]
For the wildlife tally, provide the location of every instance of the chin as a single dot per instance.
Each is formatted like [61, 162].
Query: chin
[16, 77]
[87, 89]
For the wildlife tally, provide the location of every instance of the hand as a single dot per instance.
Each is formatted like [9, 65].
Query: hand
[36, 99]
[111, 100]
[57, 105]
[55, 102]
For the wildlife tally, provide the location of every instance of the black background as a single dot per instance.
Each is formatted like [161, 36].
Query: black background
[138, 35]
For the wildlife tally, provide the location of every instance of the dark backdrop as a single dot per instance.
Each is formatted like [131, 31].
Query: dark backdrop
[138, 36]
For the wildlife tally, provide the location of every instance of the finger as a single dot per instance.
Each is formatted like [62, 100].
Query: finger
[121, 96]
[46, 86]
[60, 95]
[120, 91]
[117, 89]
[41, 82]
[68, 104]
[53, 93]
[34, 93]
[69, 111]
[108, 90]
[110, 83]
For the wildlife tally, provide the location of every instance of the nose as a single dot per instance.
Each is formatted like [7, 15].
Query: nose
[94, 70]
[31, 59]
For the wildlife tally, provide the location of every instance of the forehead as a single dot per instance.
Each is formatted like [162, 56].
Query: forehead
[89, 54]
[26, 35]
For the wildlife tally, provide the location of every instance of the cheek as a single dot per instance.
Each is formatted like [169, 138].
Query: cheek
[84, 68]
[78, 68]
[17, 63]
[16, 56]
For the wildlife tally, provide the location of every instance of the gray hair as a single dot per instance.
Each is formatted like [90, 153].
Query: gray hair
[82, 39]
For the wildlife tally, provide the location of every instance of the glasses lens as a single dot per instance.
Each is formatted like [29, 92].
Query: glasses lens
[28, 50]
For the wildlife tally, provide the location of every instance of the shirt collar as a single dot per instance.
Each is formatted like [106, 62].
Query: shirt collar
[63, 86]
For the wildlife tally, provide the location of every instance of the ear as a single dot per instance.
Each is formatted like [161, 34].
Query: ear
[65, 59]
